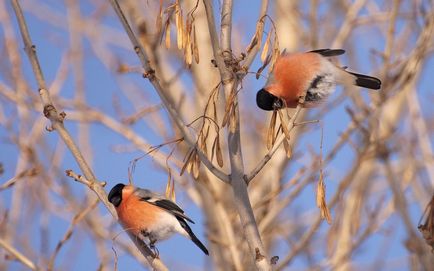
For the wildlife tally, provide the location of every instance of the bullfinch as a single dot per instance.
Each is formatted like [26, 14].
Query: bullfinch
[149, 216]
[311, 73]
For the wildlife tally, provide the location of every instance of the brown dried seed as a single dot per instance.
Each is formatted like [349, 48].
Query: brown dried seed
[195, 47]
[321, 201]
[214, 107]
[271, 129]
[232, 122]
[264, 65]
[275, 52]
[213, 149]
[167, 33]
[226, 116]
[196, 167]
[283, 125]
[186, 35]
[170, 187]
[255, 39]
[179, 26]
[287, 147]
[206, 133]
[188, 55]
[187, 162]
[159, 20]
[265, 48]
[219, 154]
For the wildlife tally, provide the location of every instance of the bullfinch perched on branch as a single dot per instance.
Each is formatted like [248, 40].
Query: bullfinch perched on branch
[149, 216]
[311, 73]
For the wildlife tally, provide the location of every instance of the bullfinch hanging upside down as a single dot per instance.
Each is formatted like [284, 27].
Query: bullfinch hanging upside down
[311, 73]
[149, 216]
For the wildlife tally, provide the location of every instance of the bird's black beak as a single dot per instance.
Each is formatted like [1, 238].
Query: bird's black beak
[278, 104]
[115, 195]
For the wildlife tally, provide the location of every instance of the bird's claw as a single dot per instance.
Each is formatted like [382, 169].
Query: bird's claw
[154, 250]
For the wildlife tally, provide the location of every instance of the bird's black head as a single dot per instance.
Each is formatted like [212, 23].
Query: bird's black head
[267, 101]
[115, 195]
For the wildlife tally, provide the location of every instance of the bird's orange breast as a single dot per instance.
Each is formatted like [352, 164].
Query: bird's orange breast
[136, 215]
[293, 74]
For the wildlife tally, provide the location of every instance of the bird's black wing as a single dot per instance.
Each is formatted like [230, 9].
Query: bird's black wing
[171, 207]
[329, 52]
[159, 201]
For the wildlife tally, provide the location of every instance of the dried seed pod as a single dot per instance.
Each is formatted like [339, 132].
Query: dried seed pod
[287, 147]
[214, 107]
[188, 51]
[167, 33]
[283, 124]
[229, 109]
[206, 134]
[219, 154]
[264, 52]
[196, 165]
[159, 20]
[190, 167]
[321, 201]
[188, 55]
[226, 116]
[186, 38]
[195, 46]
[264, 65]
[275, 52]
[187, 162]
[255, 39]
[179, 26]
[213, 149]
[170, 187]
[203, 138]
[271, 130]
[233, 120]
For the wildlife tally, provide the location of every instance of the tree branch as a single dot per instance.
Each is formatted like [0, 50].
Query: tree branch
[20, 257]
[168, 103]
[56, 120]
[230, 84]
[50, 111]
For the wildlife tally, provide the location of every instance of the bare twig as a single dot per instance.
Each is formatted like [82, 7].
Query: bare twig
[26, 173]
[20, 257]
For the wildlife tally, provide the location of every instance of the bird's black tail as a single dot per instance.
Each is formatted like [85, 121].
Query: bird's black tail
[192, 236]
[366, 81]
